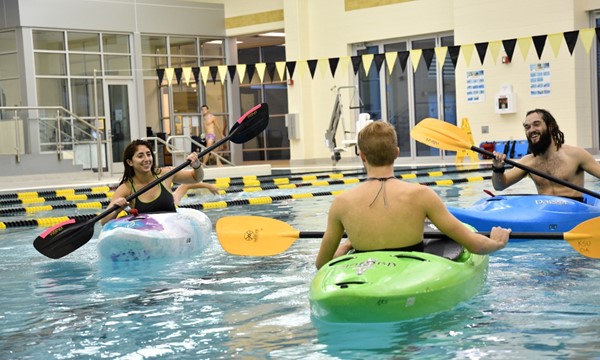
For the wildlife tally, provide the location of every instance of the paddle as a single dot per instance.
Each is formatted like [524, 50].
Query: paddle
[68, 236]
[260, 236]
[442, 135]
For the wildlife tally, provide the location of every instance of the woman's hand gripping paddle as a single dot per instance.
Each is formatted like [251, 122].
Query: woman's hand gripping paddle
[442, 135]
[70, 235]
[261, 236]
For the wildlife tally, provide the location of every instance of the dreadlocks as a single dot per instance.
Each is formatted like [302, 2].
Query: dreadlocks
[557, 135]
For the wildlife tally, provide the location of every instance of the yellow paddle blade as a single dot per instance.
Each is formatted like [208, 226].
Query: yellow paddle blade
[441, 135]
[584, 238]
[255, 235]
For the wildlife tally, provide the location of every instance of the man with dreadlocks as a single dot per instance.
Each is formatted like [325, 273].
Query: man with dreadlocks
[548, 154]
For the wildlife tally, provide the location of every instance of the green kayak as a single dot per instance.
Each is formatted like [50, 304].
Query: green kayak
[388, 286]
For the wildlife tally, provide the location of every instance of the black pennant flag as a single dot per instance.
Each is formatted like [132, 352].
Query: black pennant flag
[403, 58]
[213, 73]
[481, 50]
[333, 63]
[539, 42]
[250, 69]
[271, 70]
[571, 39]
[232, 69]
[509, 47]
[428, 57]
[196, 72]
[178, 72]
[378, 59]
[291, 66]
[356, 61]
[312, 66]
[161, 75]
[454, 51]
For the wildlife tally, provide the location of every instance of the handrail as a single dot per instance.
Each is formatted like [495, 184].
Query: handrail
[175, 151]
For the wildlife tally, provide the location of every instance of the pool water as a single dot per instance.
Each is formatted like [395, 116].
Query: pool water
[541, 300]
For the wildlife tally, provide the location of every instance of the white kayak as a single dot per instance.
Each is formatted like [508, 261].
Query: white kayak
[155, 236]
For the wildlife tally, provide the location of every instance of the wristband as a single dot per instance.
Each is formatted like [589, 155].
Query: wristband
[497, 170]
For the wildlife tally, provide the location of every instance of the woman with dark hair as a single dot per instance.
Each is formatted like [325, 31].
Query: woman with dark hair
[140, 170]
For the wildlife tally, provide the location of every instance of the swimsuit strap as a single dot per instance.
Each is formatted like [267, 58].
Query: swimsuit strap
[382, 180]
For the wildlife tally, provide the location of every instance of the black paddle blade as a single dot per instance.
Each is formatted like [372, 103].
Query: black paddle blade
[251, 124]
[64, 238]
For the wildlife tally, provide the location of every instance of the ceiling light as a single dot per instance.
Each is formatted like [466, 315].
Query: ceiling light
[273, 34]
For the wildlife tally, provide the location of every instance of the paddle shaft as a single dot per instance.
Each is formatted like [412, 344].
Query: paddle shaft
[433, 235]
[539, 173]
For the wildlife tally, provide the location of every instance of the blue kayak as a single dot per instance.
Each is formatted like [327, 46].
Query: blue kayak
[528, 213]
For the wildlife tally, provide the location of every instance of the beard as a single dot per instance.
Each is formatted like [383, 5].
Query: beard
[542, 144]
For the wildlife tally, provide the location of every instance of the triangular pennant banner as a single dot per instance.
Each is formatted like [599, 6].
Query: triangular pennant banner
[187, 75]
[271, 71]
[454, 51]
[280, 66]
[509, 47]
[178, 73]
[428, 57]
[378, 60]
[312, 67]
[481, 50]
[587, 38]
[555, 42]
[222, 73]
[322, 65]
[196, 73]
[571, 39]
[204, 70]
[231, 70]
[213, 73]
[415, 58]
[302, 66]
[333, 63]
[495, 49]
[467, 51]
[291, 66]
[403, 58]
[241, 70]
[161, 74]
[356, 60]
[390, 60]
[169, 73]
[344, 62]
[539, 42]
[367, 59]
[260, 71]
[524, 45]
[440, 55]
[250, 69]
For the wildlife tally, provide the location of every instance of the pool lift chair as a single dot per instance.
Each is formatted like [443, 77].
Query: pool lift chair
[350, 137]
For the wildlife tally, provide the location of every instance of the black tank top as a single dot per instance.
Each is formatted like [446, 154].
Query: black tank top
[163, 203]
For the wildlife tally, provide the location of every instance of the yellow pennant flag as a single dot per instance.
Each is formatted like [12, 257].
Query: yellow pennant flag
[323, 65]
[467, 51]
[367, 60]
[415, 57]
[343, 64]
[440, 55]
[390, 60]
[587, 38]
[555, 41]
[187, 75]
[169, 72]
[280, 66]
[494, 47]
[260, 70]
[222, 73]
[301, 67]
[524, 45]
[241, 70]
[204, 70]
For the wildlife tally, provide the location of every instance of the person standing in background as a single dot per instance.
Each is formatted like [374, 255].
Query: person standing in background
[210, 124]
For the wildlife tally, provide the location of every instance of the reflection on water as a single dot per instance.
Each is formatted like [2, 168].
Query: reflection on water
[541, 301]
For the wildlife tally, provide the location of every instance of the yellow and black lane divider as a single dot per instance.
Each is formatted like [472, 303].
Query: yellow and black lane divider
[68, 197]
[47, 222]
[34, 209]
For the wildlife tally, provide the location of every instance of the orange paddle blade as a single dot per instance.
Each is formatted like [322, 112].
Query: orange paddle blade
[441, 135]
[584, 238]
[255, 235]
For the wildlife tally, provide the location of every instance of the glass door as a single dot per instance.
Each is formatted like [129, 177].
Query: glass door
[118, 120]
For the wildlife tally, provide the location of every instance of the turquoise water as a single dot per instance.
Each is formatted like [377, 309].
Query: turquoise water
[541, 301]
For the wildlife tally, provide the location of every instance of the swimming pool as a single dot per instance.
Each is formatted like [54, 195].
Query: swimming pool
[541, 300]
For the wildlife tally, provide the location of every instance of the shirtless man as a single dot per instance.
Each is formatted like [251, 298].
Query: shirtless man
[384, 212]
[210, 123]
[550, 155]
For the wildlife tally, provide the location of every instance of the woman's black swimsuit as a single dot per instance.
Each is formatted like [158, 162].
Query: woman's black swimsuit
[163, 203]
